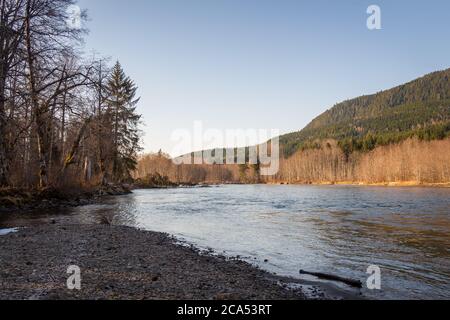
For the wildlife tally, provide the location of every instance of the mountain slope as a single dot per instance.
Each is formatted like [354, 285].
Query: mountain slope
[419, 108]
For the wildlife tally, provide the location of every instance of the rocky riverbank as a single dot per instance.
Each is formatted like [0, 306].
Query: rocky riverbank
[124, 263]
[12, 199]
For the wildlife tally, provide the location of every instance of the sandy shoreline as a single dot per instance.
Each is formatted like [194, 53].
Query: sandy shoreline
[124, 263]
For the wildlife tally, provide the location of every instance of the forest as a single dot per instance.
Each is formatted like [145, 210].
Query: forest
[67, 120]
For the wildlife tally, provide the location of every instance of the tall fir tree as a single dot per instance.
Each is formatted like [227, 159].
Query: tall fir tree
[124, 122]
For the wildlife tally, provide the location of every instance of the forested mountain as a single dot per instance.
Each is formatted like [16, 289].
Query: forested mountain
[419, 108]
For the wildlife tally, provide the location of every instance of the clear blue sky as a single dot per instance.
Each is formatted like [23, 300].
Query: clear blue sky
[262, 63]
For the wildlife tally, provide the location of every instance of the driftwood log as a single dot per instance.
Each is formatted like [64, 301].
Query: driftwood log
[354, 283]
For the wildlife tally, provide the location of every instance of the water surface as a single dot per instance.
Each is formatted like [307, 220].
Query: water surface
[4, 232]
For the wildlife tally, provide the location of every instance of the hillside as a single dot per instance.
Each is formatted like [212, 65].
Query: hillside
[419, 108]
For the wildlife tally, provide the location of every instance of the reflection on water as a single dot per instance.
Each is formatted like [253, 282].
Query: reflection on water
[337, 230]
[4, 232]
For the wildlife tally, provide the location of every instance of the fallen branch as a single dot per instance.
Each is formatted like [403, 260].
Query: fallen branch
[350, 282]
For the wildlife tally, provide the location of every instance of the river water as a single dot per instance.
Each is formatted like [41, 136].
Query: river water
[340, 230]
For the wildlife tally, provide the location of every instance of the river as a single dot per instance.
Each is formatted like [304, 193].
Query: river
[339, 230]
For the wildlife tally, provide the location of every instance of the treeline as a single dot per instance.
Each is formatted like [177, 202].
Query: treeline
[412, 161]
[160, 164]
[370, 141]
[64, 120]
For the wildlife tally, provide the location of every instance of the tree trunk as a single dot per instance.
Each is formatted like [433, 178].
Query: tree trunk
[38, 109]
[69, 160]
[116, 143]
[87, 169]
[4, 166]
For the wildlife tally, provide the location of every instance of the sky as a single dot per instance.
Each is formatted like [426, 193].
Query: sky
[261, 64]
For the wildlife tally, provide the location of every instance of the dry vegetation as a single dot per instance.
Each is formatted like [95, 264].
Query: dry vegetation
[160, 164]
[412, 162]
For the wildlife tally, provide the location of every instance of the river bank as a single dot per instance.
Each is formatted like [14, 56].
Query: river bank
[400, 184]
[13, 199]
[124, 263]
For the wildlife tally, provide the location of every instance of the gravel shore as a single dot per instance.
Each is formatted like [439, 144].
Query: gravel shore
[123, 263]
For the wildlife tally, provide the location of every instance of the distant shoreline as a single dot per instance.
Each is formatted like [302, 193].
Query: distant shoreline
[411, 184]
[364, 184]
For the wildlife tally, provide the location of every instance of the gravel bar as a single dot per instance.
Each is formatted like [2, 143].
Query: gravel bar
[121, 263]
